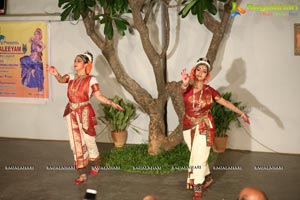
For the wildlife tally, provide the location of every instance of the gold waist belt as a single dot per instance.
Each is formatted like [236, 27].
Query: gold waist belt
[74, 106]
[198, 118]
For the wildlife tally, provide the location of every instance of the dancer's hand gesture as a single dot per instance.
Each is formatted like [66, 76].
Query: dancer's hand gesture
[52, 70]
[245, 118]
[185, 78]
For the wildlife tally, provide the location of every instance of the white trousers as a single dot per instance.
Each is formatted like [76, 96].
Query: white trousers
[198, 164]
[90, 141]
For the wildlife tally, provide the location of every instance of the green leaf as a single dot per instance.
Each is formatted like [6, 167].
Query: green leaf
[202, 6]
[76, 13]
[90, 3]
[121, 25]
[61, 2]
[65, 13]
[195, 9]
[103, 3]
[185, 11]
[67, 5]
[108, 30]
[200, 17]
[123, 20]
[119, 4]
[81, 7]
[212, 9]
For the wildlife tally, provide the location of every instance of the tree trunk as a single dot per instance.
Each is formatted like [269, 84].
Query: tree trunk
[156, 133]
[158, 140]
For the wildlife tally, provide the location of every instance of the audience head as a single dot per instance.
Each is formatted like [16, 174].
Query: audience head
[150, 197]
[251, 193]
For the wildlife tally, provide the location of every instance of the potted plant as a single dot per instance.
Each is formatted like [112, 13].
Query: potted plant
[223, 118]
[119, 120]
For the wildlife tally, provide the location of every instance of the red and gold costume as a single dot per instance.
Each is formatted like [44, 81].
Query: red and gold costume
[198, 126]
[81, 119]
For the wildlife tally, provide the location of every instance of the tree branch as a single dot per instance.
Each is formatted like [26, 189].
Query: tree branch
[166, 30]
[173, 90]
[89, 24]
[218, 33]
[150, 51]
[173, 139]
[148, 12]
[227, 10]
[141, 96]
[210, 22]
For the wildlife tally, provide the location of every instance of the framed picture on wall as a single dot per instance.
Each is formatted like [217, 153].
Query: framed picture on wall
[297, 39]
[2, 7]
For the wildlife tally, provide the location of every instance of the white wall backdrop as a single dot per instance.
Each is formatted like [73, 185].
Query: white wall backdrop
[256, 62]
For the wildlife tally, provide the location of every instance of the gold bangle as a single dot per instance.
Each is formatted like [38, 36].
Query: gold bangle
[58, 75]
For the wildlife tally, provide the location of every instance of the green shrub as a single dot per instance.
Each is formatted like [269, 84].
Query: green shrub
[116, 119]
[135, 159]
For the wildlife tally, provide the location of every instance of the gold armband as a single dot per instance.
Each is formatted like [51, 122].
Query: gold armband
[62, 79]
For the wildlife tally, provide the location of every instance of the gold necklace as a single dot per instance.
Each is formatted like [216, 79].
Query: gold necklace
[198, 107]
[73, 90]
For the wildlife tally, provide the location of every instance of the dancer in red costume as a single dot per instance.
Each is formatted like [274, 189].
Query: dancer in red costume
[80, 115]
[198, 123]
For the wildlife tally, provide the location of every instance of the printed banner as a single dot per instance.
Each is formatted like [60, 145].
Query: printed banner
[23, 58]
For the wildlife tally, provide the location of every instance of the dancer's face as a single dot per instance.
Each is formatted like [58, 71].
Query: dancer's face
[201, 73]
[79, 64]
[37, 35]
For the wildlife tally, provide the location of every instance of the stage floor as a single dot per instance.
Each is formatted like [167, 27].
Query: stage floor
[33, 169]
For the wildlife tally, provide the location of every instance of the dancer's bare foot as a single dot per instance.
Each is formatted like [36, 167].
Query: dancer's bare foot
[82, 178]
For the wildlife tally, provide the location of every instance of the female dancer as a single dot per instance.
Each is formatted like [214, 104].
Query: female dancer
[32, 66]
[80, 115]
[198, 124]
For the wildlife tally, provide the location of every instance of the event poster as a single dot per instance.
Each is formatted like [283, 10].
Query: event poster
[23, 58]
